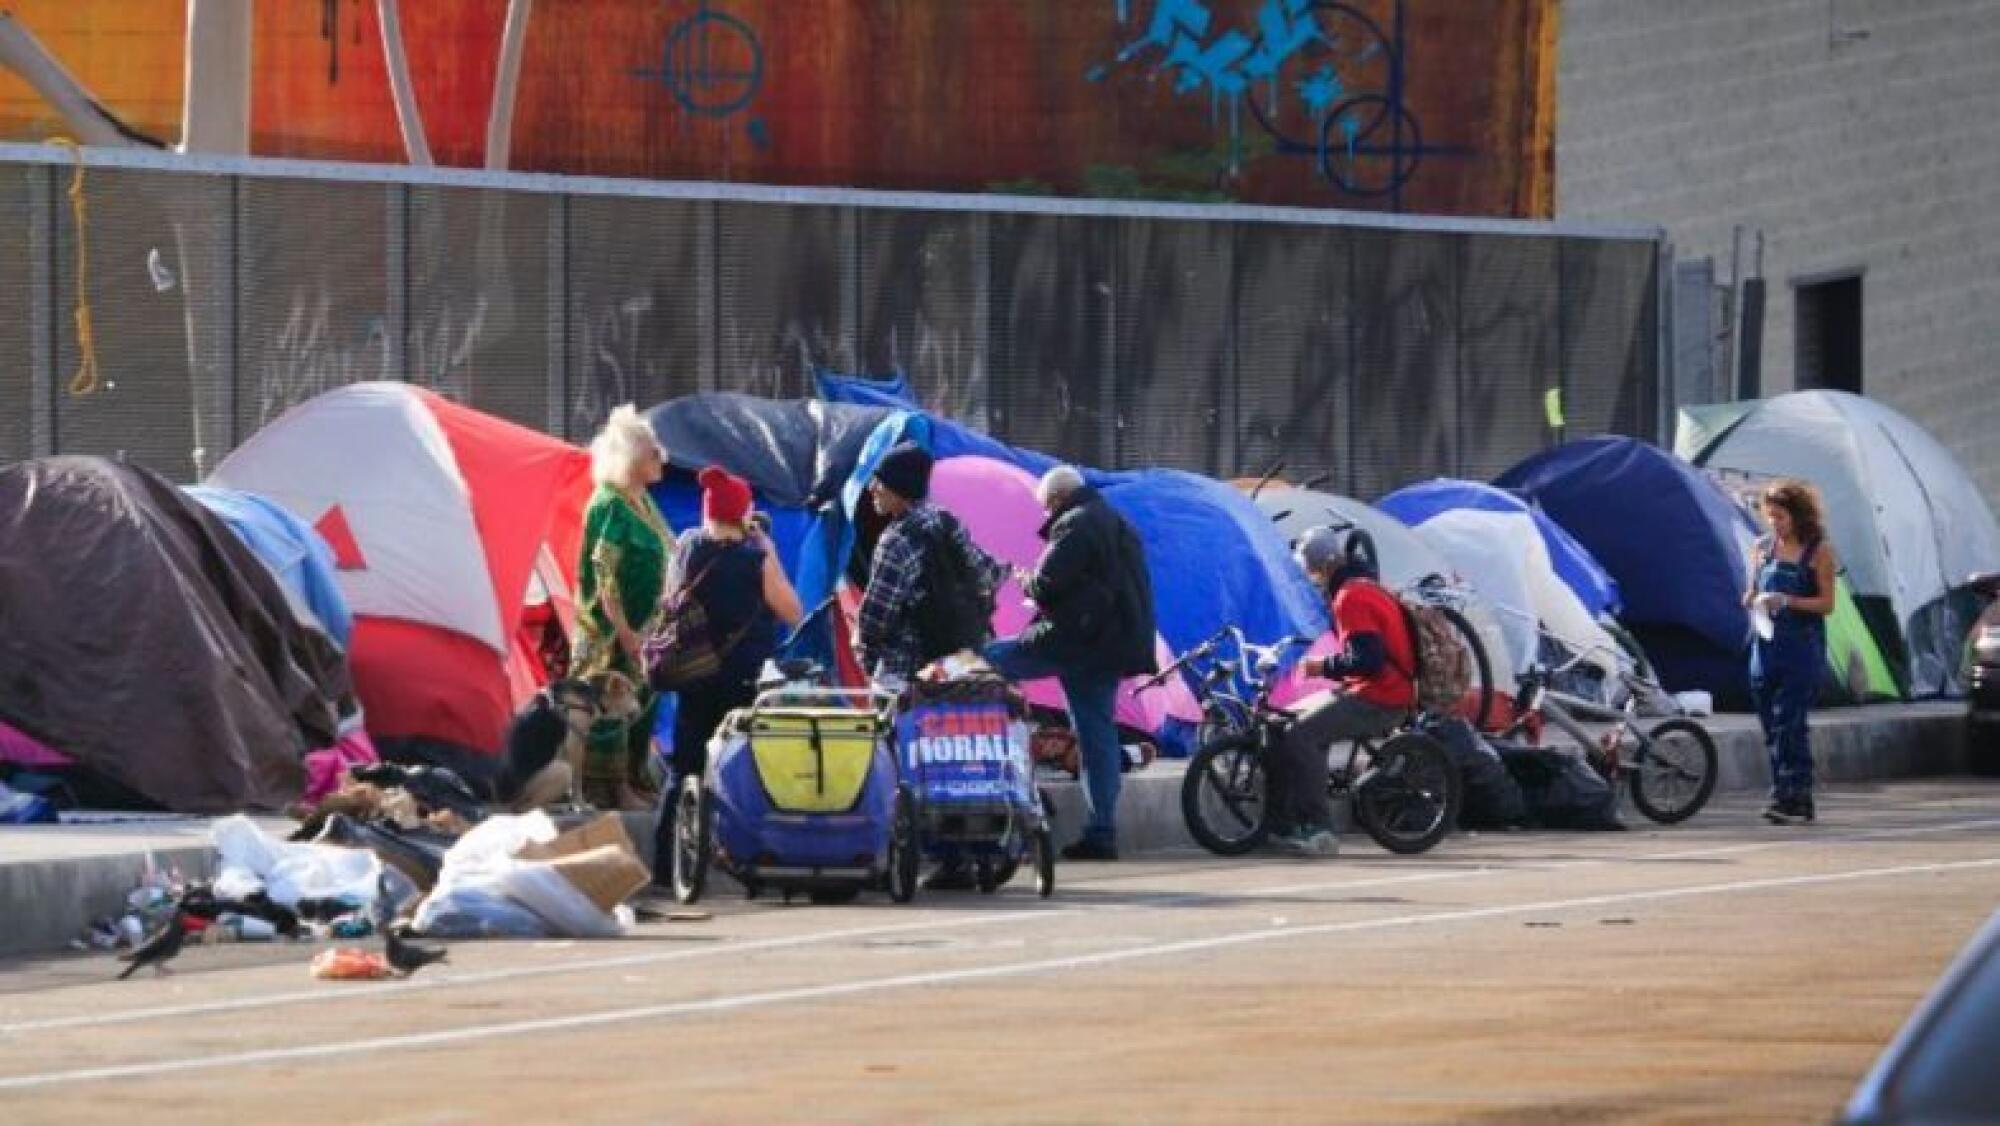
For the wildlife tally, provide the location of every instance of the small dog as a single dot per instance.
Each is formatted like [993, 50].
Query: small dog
[555, 729]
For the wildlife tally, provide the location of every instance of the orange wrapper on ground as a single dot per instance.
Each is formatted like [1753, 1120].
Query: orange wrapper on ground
[349, 963]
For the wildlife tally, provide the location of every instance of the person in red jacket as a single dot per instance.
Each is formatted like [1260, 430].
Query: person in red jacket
[1375, 673]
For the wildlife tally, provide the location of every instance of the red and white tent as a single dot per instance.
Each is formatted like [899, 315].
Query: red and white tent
[446, 524]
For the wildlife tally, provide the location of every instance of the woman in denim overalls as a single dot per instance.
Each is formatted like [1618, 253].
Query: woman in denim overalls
[1792, 582]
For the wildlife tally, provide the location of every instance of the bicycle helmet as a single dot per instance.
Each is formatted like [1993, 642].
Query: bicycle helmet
[1338, 551]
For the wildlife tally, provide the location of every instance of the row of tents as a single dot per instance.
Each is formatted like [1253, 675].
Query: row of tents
[383, 546]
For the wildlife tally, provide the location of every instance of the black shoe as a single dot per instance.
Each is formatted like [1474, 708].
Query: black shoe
[950, 877]
[1792, 811]
[1090, 850]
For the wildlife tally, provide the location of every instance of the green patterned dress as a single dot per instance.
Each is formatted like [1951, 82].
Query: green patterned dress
[626, 548]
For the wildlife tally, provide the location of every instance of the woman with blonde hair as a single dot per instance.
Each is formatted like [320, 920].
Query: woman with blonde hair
[619, 582]
[1791, 593]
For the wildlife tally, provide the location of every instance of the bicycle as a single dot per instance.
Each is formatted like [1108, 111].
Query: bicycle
[1402, 787]
[1671, 770]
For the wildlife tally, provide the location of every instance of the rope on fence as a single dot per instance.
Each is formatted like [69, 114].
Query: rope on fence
[85, 381]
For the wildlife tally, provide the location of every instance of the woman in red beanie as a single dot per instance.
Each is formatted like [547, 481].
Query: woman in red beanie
[733, 571]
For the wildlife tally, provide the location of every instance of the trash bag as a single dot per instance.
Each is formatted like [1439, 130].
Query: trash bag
[1493, 800]
[484, 887]
[1561, 789]
[290, 871]
[407, 852]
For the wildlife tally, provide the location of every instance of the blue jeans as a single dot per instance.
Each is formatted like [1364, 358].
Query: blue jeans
[1092, 697]
[1784, 682]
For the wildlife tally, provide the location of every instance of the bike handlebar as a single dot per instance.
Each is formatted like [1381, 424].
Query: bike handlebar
[1251, 654]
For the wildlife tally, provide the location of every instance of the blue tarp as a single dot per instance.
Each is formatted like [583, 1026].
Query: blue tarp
[793, 452]
[946, 438]
[292, 551]
[1672, 538]
[891, 391]
[1415, 504]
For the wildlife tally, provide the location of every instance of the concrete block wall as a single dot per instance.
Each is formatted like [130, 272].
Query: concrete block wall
[1880, 152]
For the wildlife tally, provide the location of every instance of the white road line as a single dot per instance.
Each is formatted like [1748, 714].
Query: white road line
[1161, 900]
[733, 1002]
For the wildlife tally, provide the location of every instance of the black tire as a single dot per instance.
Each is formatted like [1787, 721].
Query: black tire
[694, 840]
[986, 875]
[834, 896]
[1482, 667]
[1224, 797]
[1408, 798]
[904, 848]
[1675, 779]
[1005, 870]
[1043, 844]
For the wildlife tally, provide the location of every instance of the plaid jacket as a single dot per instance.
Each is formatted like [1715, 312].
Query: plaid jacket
[887, 637]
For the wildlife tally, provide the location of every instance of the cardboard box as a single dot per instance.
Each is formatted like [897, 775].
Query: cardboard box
[607, 830]
[608, 875]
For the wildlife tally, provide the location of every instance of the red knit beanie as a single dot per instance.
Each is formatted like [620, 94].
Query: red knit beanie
[725, 497]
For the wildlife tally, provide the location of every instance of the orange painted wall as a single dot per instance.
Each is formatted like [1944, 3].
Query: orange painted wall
[955, 95]
[129, 54]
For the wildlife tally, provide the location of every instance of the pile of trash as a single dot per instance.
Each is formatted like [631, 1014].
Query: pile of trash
[478, 875]
[396, 852]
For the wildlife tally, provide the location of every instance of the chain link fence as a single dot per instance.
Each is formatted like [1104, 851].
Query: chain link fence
[1372, 350]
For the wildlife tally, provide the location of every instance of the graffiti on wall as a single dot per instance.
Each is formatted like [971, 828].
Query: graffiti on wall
[1321, 80]
[1437, 106]
[712, 65]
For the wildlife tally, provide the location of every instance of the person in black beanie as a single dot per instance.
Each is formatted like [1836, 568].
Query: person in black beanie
[930, 588]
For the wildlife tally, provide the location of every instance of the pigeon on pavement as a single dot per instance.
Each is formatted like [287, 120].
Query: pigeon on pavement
[408, 957]
[159, 949]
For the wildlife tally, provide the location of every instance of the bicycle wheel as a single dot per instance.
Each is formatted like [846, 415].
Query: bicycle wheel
[1040, 848]
[1672, 779]
[1408, 799]
[1481, 690]
[1223, 796]
[694, 842]
[903, 847]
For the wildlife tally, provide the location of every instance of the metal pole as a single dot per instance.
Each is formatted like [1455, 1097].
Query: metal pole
[1667, 374]
[396, 263]
[45, 340]
[560, 357]
[980, 402]
[1734, 310]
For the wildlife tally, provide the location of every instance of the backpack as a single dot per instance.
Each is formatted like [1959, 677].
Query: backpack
[1444, 668]
[953, 609]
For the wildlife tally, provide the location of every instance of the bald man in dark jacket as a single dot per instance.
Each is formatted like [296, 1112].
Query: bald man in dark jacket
[1093, 626]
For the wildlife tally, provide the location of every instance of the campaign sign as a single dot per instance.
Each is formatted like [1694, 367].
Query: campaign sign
[961, 751]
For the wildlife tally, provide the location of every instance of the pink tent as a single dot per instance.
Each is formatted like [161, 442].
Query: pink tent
[18, 748]
[996, 502]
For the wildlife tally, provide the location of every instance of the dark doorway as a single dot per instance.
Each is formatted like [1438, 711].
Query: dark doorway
[1829, 333]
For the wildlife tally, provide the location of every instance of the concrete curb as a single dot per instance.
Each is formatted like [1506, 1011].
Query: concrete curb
[55, 879]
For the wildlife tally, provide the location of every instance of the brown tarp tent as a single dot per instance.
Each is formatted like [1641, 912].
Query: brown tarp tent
[140, 637]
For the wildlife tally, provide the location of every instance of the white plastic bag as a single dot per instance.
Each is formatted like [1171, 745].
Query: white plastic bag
[483, 887]
[293, 871]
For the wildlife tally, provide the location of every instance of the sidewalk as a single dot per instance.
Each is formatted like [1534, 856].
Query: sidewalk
[54, 879]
